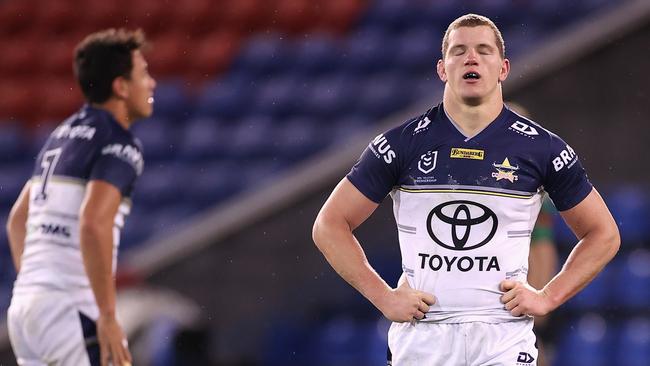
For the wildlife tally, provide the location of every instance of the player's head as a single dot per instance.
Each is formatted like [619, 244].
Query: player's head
[109, 64]
[473, 62]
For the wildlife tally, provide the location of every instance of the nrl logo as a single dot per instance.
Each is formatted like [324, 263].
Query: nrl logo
[428, 162]
[505, 171]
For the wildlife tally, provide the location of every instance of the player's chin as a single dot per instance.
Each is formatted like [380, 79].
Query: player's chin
[472, 100]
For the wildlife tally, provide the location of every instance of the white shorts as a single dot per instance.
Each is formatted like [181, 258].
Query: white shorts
[52, 328]
[462, 344]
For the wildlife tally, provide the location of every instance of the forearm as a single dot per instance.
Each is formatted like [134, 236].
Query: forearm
[97, 252]
[345, 255]
[585, 261]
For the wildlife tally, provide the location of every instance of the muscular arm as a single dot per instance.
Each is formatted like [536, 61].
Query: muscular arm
[343, 212]
[598, 242]
[16, 226]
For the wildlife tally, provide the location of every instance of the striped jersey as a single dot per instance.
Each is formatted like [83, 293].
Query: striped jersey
[465, 207]
[90, 145]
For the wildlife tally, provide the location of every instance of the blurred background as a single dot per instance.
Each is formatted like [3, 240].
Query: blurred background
[263, 105]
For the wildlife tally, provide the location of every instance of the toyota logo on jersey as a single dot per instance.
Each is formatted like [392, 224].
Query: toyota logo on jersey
[461, 225]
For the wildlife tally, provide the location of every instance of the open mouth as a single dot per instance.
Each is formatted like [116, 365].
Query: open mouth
[471, 75]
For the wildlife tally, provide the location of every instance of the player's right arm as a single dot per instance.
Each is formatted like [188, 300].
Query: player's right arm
[344, 211]
[16, 226]
[97, 216]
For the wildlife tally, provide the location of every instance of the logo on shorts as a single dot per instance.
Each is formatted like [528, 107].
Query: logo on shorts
[461, 225]
[524, 359]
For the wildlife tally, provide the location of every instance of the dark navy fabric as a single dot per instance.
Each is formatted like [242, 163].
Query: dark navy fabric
[94, 146]
[539, 159]
[89, 329]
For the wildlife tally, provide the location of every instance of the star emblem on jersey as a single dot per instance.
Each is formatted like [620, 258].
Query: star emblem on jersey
[505, 171]
[428, 162]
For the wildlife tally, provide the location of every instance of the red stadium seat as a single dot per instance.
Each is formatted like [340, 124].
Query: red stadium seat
[213, 54]
[336, 16]
[151, 15]
[168, 54]
[198, 17]
[61, 99]
[294, 16]
[19, 56]
[15, 16]
[20, 99]
[58, 56]
[246, 16]
[55, 17]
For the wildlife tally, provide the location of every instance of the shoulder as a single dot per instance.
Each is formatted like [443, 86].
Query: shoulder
[413, 129]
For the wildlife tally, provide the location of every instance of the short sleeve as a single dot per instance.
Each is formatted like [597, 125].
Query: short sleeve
[566, 181]
[118, 164]
[377, 171]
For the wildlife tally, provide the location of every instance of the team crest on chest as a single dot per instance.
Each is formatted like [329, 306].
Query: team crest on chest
[505, 171]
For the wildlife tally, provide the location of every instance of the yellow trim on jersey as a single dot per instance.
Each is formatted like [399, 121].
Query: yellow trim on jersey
[487, 193]
[62, 179]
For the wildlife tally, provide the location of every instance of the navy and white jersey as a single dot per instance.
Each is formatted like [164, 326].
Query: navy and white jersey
[465, 207]
[90, 145]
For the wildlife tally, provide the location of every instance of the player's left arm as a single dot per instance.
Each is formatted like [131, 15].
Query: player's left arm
[598, 242]
[17, 226]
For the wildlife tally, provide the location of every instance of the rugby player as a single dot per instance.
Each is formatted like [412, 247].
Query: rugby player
[467, 179]
[64, 228]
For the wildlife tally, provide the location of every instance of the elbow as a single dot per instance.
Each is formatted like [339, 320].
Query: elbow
[89, 228]
[317, 232]
[614, 241]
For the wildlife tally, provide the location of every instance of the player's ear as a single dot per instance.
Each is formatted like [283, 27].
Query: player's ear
[442, 74]
[505, 70]
[120, 87]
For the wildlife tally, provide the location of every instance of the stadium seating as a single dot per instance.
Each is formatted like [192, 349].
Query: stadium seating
[251, 87]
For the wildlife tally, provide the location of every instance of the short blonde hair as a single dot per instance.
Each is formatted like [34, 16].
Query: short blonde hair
[474, 20]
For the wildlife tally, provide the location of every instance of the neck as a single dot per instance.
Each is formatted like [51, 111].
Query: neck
[118, 110]
[472, 118]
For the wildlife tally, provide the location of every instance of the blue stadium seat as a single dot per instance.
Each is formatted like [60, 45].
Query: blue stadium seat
[632, 280]
[597, 294]
[329, 96]
[212, 182]
[171, 101]
[382, 94]
[418, 49]
[251, 138]
[299, 138]
[264, 56]
[159, 139]
[203, 138]
[277, 96]
[159, 186]
[14, 145]
[630, 207]
[369, 50]
[393, 15]
[315, 55]
[226, 98]
[633, 346]
[587, 341]
[12, 180]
